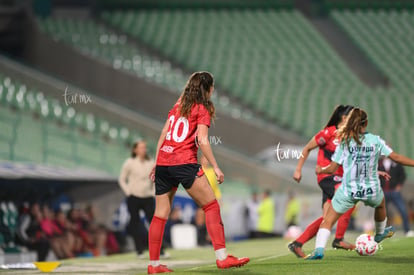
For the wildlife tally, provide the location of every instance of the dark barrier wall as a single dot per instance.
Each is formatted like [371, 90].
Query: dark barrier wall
[137, 94]
[182, 4]
[311, 7]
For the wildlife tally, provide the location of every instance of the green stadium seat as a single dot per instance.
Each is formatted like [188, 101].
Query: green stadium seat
[59, 134]
[273, 61]
[386, 37]
[33, 150]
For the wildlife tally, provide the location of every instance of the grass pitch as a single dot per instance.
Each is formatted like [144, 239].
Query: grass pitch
[269, 256]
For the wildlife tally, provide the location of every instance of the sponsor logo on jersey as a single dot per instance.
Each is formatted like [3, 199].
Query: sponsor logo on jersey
[362, 193]
[167, 149]
[321, 141]
[361, 149]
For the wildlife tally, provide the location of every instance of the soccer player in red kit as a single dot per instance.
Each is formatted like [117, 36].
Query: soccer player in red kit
[185, 130]
[327, 141]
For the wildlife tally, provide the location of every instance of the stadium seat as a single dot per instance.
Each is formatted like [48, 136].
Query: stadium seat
[59, 134]
[386, 37]
[274, 61]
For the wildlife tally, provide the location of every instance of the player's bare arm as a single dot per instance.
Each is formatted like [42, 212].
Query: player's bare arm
[401, 159]
[204, 144]
[160, 142]
[297, 175]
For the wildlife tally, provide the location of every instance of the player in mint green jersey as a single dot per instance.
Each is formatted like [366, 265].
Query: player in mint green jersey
[358, 153]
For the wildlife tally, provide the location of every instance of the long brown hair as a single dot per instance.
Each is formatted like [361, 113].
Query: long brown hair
[195, 92]
[337, 114]
[356, 120]
[134, 146]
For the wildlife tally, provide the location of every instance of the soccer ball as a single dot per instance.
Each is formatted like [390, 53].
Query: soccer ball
[365, 245]
[292, 232]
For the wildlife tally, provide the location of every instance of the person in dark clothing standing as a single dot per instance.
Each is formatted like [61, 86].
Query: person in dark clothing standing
[392, 190]
[140, 193]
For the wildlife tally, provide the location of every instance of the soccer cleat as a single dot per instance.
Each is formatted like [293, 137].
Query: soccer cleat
[232, 261]
[296, 249]
[388, 233]
[317, 254]
[341, 244]
[158, 269]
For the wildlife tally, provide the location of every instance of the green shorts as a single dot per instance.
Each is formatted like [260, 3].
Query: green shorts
[342, 203]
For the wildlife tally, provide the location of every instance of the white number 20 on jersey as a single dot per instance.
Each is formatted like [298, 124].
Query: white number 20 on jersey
[175, 126]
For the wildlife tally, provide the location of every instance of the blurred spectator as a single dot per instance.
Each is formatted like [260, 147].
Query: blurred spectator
[392, 190]
[97, 232]
[119, 222]
[252, 215]
[200, 222]
[266, 212]
[56, 236]
[69, 229]
[29, 231]
[79, 222]
[351, 225]
[175, 218]
[140, 192]
[292, 210]
[211, 177]
[8, 226]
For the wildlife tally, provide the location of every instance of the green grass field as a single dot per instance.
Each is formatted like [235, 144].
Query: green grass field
[268, 256]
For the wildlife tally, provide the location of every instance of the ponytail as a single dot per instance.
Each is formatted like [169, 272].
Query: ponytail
[356, 120]
[337, 114]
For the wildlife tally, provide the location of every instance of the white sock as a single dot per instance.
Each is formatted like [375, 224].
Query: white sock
[221, 254]
[322, 237]
[155, 263]
[380, 226]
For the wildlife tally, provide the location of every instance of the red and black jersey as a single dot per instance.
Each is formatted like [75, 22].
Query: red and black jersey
[180, 145]
[327, 142]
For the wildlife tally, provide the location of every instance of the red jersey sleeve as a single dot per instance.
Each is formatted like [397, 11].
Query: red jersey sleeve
[203, 116]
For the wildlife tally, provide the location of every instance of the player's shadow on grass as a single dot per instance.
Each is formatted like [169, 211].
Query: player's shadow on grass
[388, 260]
[242, 270]
[395, 260]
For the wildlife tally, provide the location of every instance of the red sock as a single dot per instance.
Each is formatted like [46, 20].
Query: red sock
[310, 231]
[214, 224]
[343, 222]
[155, 236]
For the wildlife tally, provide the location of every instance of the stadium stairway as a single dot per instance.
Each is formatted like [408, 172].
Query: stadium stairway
[357, 61]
